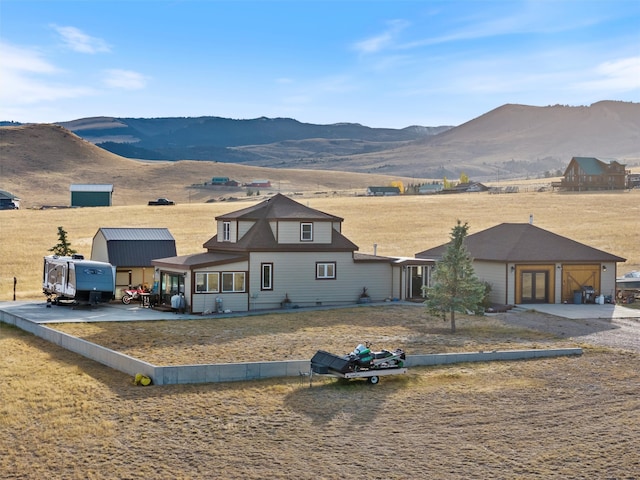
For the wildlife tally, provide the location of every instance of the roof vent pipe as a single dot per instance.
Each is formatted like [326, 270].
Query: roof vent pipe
[531, 219]
[375, 249]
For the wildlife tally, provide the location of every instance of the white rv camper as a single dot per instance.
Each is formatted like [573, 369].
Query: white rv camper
[76, 280]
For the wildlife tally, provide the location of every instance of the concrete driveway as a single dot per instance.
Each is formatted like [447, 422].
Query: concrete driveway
[38, 312]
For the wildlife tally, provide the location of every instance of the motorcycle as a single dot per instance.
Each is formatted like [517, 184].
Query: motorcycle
[362, 358]
[129, 294]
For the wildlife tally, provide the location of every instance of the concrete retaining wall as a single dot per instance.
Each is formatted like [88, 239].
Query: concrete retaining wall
[231, 372]
[445, 358]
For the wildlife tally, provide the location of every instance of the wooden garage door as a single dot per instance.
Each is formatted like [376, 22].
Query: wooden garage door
[574, 277]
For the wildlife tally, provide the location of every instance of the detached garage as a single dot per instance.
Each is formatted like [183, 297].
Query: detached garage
[527, 264]
[91, 195]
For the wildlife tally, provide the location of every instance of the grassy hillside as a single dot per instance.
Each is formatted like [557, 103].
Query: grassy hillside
[38, 163]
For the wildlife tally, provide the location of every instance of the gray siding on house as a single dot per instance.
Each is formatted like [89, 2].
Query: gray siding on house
[289, 232]
[203, 302]
[294, 274]
[495, 274]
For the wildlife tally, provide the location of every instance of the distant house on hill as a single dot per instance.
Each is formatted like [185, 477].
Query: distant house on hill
[430, 188]
[91, 195]
[224, 181]
[589, 173]
[8, 201]
[466, 187]
[383, 191]
[259, 184]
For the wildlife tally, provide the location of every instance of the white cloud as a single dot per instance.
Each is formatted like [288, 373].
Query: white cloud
[25, 78]
[382, 41]
[124, 79]
[20, 59]
[615, 76]
[78, 41]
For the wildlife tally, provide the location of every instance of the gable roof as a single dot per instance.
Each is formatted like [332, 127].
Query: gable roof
[136, 247]
[524, 242]
[278, 207]
[590, 165]
[595, 166]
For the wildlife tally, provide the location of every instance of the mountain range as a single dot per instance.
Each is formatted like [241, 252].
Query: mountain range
[511, 141]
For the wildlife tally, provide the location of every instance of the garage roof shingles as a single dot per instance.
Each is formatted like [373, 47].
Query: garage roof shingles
[524, 242]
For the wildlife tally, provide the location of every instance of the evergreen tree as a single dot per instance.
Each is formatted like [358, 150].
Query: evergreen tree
[63, 247]
[455, 285]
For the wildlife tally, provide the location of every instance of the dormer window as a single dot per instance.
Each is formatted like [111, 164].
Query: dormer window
[226, 231]
[306, 232]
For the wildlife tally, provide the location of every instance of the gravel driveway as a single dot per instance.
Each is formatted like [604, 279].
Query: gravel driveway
[621, 333]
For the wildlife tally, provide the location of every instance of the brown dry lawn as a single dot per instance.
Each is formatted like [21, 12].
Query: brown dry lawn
[299, 334]
[63, 416]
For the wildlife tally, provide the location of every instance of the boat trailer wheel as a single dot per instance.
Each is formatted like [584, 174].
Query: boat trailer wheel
[373, 380]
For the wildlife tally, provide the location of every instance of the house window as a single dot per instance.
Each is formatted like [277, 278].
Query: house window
[325, 270]
[233, 282]
[267, 276]
[207, 282]
[226, 231]
[306, 232]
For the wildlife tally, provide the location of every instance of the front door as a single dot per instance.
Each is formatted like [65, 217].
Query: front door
[416, 279]
[535, 286]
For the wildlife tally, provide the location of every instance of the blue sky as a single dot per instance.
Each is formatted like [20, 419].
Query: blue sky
[378, 63]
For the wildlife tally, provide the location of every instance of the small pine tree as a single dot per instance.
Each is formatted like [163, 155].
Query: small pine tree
[63, 247]
[456, 287]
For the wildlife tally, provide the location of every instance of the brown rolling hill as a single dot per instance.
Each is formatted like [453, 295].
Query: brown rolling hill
[515, 141]
[38, 163]
[511, 141]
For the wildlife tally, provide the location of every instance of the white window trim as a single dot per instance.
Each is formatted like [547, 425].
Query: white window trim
[303, 238]
[321, 270]
[269, 277]
[226, 231]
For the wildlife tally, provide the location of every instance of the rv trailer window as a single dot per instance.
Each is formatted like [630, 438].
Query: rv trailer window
[93, 271]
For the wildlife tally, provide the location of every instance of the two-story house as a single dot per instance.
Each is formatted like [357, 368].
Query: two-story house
[589, 173]
[280, 253]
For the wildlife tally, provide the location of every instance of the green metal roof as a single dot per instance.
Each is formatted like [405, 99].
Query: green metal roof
[590, 165]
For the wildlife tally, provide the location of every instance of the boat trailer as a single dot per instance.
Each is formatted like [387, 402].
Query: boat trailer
[361, 363]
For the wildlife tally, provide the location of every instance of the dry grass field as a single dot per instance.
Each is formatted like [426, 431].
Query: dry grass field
[62, 416]
[400, 226]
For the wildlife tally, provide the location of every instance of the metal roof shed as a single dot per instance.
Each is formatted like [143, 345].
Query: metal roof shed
[91, 195]
[132, 247]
